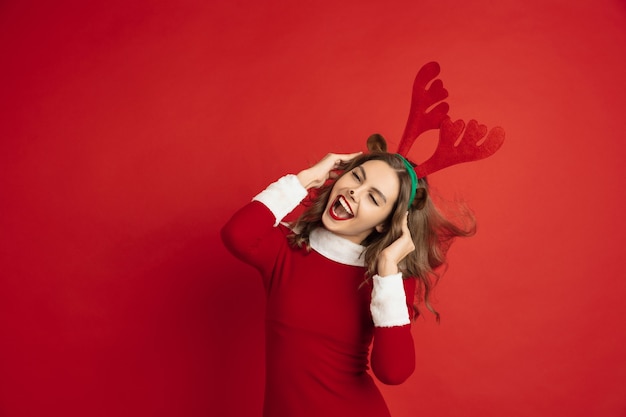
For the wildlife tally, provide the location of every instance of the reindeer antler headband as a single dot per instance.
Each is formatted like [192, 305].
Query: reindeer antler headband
[447, 153]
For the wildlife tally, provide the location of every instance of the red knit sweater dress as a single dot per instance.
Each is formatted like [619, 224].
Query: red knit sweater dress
[321, 319]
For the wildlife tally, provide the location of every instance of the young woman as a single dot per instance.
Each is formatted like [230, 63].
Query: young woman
[345, 276]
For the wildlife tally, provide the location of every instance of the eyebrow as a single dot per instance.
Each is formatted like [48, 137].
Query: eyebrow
[376, 190]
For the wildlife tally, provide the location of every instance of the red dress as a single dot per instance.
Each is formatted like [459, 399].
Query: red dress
[321, 317]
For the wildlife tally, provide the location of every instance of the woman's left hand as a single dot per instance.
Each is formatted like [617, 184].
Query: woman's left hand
[393, 254]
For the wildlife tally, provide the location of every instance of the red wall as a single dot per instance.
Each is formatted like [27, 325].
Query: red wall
[132, 130]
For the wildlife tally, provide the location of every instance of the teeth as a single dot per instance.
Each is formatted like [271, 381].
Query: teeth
[346, 206]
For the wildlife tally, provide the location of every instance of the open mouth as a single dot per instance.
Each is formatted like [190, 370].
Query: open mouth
[340, 209]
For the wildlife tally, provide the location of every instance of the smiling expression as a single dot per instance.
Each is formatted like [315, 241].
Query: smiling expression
[361, 200]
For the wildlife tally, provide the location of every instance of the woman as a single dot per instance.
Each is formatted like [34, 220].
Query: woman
[340, 279]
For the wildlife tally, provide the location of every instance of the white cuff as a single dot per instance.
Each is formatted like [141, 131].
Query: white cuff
[282, 196]
[388, 304]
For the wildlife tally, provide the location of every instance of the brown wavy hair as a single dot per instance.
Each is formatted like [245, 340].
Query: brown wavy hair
[431, 230]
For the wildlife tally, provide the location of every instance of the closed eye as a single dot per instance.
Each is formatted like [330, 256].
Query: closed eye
[359, 175]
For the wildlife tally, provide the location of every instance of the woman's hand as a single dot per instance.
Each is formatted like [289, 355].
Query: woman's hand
[317, 175]
[393, 254]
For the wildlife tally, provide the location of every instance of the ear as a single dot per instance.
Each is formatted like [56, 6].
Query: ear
[376, 143]
[380, 228]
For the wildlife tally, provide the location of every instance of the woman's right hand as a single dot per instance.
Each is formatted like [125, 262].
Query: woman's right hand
[317, 175]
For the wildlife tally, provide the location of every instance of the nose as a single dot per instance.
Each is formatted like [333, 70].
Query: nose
[354, 194]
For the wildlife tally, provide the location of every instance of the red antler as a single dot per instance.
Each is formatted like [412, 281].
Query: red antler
[422, 99]
[467, 149]
[448, 152]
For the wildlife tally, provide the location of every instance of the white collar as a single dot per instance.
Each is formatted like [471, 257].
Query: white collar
[336, 248]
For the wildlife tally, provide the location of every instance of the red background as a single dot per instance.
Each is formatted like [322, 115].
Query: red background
[132, 130]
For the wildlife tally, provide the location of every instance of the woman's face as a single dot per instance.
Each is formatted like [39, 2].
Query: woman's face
[361, 200]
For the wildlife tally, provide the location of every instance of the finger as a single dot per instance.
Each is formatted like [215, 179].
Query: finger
[406, 232]
[339, 159]
[348, 157]
[405, 224]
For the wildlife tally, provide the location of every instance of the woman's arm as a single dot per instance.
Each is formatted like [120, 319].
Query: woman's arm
[251, 234]
[393, 351]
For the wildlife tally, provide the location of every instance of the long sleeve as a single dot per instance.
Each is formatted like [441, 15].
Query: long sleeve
[393, 350]
[251, 234]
